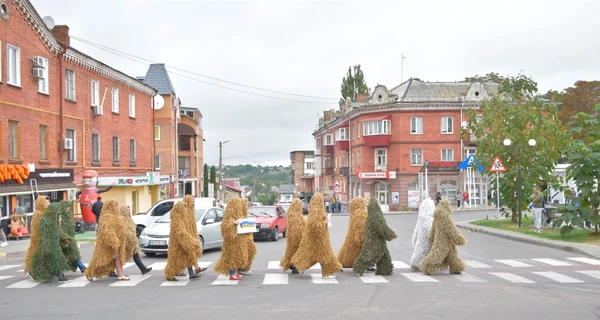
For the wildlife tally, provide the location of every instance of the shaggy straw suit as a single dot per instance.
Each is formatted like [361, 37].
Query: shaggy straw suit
[183, 244]
[48, 260]
[234, 253]
[131, 240]
[248, 237]
[41, 204]
[356, 233]
[316, 245]
[375, 250]
[191, 224]
[295, 228]
[110, 238]
[422, 229]
[444, 238]
[67, 229]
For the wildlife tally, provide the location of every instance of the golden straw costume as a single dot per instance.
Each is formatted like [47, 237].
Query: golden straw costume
[295, 229]
[356, 233]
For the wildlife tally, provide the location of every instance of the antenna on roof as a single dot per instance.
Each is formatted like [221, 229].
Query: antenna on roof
[49, 22]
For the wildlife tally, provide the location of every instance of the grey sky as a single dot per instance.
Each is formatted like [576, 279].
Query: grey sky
[306, 47]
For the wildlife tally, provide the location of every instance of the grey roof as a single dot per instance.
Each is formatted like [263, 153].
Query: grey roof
[158, 77]
[286, 188]
[417, 90]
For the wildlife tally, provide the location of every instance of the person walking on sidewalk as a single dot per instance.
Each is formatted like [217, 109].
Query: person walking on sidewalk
[537, 201]
[96, 210]
[3, 242]
[458, 197]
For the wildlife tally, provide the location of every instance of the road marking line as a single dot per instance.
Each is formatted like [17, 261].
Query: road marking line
[9, 266]
[133, 281]
[204, 264]
[273, 265]
[511, 277]
[158, 265]
[6, 277]
[400, 265]
[476, 264]
[24, 284]
[467, 277]
[276, 278]
[591, 273]
[315, 267]
[318, 279]
[594, 262]
[224, 280]
[127, 265]
[514, 263]
[183, 281]
[76, 283]
[372, 278]
[558, 277]
[553, 262]
[418, 277]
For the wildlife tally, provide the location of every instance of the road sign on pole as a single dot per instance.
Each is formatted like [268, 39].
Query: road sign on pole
[497, 165]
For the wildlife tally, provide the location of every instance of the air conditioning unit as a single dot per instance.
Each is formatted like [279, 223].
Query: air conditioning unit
[97, 110]
[37, 73]
[38, 62]
[68, 144]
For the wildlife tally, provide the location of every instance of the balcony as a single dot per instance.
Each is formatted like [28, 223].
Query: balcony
[341, 138]
[343, 171]
[377, 131]
[328, 149]
[470, 140]
[380, 167]
[329, 171]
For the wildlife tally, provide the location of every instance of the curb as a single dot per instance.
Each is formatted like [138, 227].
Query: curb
[18, 254]
[560, 245]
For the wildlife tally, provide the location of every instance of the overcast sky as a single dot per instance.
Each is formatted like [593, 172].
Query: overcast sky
[305, 48]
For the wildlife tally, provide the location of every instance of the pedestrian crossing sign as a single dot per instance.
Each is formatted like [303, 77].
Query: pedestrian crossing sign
[497, 165]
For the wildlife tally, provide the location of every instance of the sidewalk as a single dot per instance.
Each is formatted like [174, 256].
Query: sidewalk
[415, 211]
[580, 248]
[18, 248]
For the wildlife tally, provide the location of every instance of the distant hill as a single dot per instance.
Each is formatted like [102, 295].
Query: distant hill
[266, 178]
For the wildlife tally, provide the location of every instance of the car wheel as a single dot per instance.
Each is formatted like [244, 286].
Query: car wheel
[149, 254]
[138, 230]
[274, 234]
[284, 233]
[202, 243]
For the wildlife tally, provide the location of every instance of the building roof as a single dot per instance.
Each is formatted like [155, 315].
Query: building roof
[158, 77]
[417, 90]
[304, 151]
[230, 184]
[38, 25]
[286, 188]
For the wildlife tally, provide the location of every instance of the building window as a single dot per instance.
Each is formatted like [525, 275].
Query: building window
[132, 151]
[157, 162]
[416, 125]
[132, 105]
[13, 61]
[70, 84]
[115, 100]
[381, 159]
[342, 134]
[447, 125]
[95, 92]
[376, 127]
[318, 142]
[43, 142]
[416, 157]
[358, 159]
[14, 140]
[353, 131]
[156, 132]
[115, 150]
[447, 155]
[71, 153]
[95, 147]
[358, 129]
[44, 82]
[328, 139]
[309, 166]
[184, 164]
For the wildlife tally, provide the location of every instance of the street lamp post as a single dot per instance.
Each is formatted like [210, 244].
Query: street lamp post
[507, 143]
[222, 195]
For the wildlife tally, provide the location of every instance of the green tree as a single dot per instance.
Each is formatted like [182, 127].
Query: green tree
[354, 83]
[516, 113]
[205, 184]
[490, 77]
[584, 157]
[213, 179]
[580, 98]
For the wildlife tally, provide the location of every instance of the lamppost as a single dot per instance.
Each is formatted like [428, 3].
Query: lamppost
[222, 195]
[507, 143]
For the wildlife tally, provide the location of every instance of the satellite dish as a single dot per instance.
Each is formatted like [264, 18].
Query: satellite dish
[159, 102]
[49, 22]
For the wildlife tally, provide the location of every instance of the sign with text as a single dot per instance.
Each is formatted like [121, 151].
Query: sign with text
[377, 175]
[131, 181]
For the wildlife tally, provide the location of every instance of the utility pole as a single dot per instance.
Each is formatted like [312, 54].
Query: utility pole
[221, 187]
[254, 187]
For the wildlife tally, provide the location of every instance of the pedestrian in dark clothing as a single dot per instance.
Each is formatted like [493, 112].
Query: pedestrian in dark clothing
[96, 209]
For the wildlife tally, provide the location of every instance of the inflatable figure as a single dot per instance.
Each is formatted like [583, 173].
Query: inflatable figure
[89, 194]
[422, 229]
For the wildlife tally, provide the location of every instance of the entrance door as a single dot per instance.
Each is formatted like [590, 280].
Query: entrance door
[134, 202]
[381, 193]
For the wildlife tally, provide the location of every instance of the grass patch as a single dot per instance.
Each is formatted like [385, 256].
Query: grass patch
[579, 236]
[89, 236]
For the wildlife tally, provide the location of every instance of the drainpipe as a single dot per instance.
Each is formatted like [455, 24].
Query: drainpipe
[61, 98]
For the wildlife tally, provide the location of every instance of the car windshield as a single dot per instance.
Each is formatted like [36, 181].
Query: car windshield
[261, 211]
[166, 218]
[285, 206]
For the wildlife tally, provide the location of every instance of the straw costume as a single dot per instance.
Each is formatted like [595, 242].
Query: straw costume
[41, 204]
[248, 240]
[234, 253]
[67, 231]
[132, 248]
[356, 233]
[422, 229]
[295, 229]
[183, 244]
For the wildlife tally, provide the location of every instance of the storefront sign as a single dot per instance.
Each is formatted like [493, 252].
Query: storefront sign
[21, 174]
[395, 197]
[131, 181]
[16, 173]
[377, 175]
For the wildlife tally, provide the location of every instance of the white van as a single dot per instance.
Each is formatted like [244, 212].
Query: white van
[145, 219]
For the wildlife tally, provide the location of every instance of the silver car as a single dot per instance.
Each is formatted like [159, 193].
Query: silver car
[155, 238]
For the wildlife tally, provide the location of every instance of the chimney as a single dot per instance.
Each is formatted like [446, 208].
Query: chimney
[362, 97]
[61, 33]
[326, 115]
[552, 96]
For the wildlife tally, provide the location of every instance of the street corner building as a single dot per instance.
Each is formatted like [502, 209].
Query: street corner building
[401, 145]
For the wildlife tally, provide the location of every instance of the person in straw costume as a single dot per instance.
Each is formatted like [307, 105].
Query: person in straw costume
[295, 229]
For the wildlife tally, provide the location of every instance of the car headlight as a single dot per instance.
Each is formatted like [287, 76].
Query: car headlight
[143, 234]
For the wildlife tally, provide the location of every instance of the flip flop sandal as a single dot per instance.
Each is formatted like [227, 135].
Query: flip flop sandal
[200, 270]
[123, 278]
[181, 274]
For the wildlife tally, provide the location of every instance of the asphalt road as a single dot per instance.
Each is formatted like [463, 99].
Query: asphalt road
[565, 287]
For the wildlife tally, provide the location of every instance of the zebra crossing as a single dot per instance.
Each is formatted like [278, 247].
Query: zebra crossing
[575, 270]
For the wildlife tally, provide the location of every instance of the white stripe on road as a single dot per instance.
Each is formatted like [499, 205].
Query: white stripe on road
[594, 262]
[158, 265]
[558, 277]
[476, 264]
[276, 278]
[511, 277]
[372, 278]
[466, 277]
[127, 265]
[553, 262]
[9, 266]
[24, 284]
[224, 281]
[76, 283]
[400, 265]
[273, 265]
[6, 277]
[591, 273]
[514, 263]
[204, 264]
[418, 277]
[182, 281]
[133, 281]
[316, 267]
[318, 279]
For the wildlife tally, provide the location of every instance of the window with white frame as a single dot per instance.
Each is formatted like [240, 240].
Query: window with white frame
[318, 142]
[157, 162]
[309, 166]
[416, 157]
[132, 105]
[447, 125]
[115, 150]
[156, 132]
[95, 92]
[416, 125]
[329, 139]
[447, 155]
[70, 85]
[132, 151]
[342, 134]
[95, 147]
[44, 82]
[71, 155]
[380, 159]
[13, 62]
[376, 127]
[115, 99]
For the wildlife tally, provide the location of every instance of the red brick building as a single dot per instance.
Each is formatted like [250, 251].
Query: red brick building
[303, 173]
[378, 145]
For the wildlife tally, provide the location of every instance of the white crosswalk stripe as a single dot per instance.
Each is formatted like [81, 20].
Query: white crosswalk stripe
[372, 278]
[182, 281]
[558, 277]
[127, 265]
[273, 265]
[6, 277]
[9, 266]
[419, 277]
[591, 273]
[158, 266]
[276, 278]
[511, 277]
[467, 277]
[76, 283]
[400, 265]
[514, 263]
[224, 281]
[24, 284]
[594, 262]
[318, 279]
[134, 280]
[552, 262]
[476, 264]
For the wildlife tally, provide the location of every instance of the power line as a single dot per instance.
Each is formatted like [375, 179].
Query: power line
[114, 51]
[259, 155]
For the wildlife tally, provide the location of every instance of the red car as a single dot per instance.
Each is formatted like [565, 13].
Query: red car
[270, 221]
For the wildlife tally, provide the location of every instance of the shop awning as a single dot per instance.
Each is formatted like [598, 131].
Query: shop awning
[46, 187]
